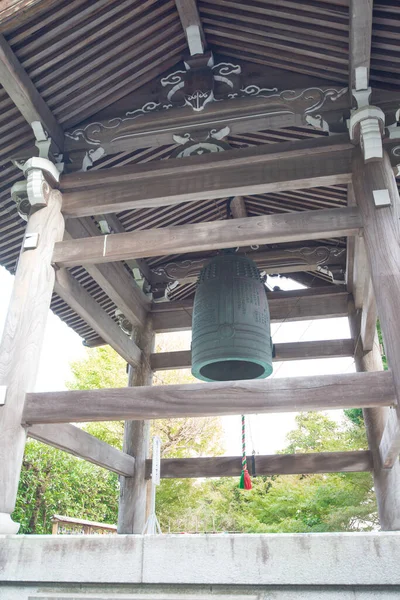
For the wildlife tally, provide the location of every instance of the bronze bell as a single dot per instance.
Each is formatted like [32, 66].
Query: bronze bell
[231, 338]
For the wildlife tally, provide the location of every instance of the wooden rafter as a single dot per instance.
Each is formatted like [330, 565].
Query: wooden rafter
[70, 290]
[75, 441]
[113, 278]
[191, 23]
[325, 392]
[198, 237]
[273, 464]
[182, 359]
[25, 96]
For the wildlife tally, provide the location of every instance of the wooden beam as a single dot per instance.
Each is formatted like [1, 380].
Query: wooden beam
[113, 278]
[360, 14]
[368, 317]
[133, 490]
[381, 235]
[75, 441]
[296, 305]
[324, 392]
[273, 464]
[254, 170]
[282, 260]
[381, 424]
[191, 23]
[14, 12]
[242, 115]
[25, 96]
[182, 359]
[389, 446]
[75, 295]
[238, 208]
[21, 345]
[197, 237]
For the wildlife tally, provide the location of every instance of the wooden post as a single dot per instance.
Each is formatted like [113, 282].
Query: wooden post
[377, 196]
[133, 491]
[22, 341]
[386, 481]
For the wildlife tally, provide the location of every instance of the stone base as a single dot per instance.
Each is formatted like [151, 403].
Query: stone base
[356, 566]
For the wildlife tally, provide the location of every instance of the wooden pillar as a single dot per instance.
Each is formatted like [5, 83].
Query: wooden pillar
[22, 342]
[133, 491]
[386, 481]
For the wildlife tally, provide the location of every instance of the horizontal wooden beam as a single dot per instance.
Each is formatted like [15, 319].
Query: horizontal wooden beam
[273, 464]
[25, 96]
[74, 440]
[197, 237]
[254, 170]
[182, 359]
[323, 392]
[241, 115]
[113, 278]
[75, 295]
[296, 305]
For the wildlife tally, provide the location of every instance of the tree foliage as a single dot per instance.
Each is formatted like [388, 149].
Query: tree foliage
[55, 482]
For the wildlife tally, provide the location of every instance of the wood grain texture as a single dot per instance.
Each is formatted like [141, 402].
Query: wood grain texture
[368, 317]
[113, 278]
[133, 490]
[360, 14]
[243, 115]
[25, 96]
[182, 359]
[324, 392]
[386, 481]
[269, 229]
[313, 303]
[273, 464]
[75, 441]
[23, 338]
[382, 242]
[294, 165]
[75, 295]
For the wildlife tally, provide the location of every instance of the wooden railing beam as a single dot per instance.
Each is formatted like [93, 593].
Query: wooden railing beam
[324, 392]
[273, 464]
[182, 359]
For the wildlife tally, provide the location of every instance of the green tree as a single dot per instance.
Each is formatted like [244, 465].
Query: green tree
[55, 482]
[301, 503]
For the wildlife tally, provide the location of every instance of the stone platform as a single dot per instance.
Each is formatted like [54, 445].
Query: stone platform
[356, 566]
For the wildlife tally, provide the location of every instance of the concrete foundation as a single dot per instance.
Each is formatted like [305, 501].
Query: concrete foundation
[356, 566]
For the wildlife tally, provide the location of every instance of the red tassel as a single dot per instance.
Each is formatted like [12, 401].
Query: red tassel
[247, 480]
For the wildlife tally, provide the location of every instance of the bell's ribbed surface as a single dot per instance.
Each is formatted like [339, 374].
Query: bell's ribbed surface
[231, 337]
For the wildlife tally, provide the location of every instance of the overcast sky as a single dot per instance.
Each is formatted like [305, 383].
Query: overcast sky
[265, 433]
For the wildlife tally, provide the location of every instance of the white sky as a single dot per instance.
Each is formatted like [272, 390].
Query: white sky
[265, 433]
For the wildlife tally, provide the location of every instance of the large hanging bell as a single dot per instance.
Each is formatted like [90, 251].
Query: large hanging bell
[231, 337]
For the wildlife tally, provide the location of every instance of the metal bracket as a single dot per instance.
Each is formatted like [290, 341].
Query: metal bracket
[3, 393]
[31, 241]
[123, 322]
[381, 198]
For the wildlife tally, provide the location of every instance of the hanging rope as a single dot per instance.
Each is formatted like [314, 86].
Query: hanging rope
[245, 481]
